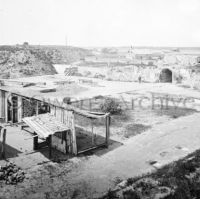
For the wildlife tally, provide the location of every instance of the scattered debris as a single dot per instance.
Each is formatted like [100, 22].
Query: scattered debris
[152, 162]
[181, 148]
[29, 84]
[178, 147]
[11, 174]
[146, 187]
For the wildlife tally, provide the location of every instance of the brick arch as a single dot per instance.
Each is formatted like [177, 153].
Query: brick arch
[166, 75]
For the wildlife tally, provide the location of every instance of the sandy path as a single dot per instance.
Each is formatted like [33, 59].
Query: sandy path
[164, 143]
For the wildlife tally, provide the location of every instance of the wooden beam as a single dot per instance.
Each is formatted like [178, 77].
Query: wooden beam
[107, 130]
[92, 148]
[31, 137]
[35, 142]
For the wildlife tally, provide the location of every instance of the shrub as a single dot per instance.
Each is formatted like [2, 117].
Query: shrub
[111, 105]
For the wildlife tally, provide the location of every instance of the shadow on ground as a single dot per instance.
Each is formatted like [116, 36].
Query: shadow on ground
[10, 151]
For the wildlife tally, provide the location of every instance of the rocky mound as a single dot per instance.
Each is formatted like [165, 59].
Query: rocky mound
[64, 54]
[18, 61]
[27, 60]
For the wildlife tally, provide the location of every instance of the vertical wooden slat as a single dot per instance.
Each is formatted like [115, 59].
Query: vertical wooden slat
[53, 110]
[3, 105]
[62, 116]
[73, 132]
[19, 109]
[6, 106]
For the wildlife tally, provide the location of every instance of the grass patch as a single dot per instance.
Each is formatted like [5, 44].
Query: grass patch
[135, 129]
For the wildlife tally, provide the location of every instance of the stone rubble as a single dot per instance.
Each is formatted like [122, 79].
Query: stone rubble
[11, 174]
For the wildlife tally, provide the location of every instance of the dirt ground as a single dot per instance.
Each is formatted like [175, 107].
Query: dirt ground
[91, 174]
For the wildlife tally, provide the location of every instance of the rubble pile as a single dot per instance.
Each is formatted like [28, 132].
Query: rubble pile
[11, 174]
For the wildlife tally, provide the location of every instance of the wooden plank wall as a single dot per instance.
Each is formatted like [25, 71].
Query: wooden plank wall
[7, 95]
[59, 144]
[19, 109]
[66, 117]
[2, 104]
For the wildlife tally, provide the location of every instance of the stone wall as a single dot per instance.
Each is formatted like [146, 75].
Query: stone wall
[28, 107]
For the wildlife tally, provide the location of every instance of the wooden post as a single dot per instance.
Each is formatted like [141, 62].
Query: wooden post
[3, 148]
[92, 132]
[73, 134]
[49, 144]
[35, 142]
[107, 129]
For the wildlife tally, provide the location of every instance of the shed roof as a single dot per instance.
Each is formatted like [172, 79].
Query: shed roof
[45, 125]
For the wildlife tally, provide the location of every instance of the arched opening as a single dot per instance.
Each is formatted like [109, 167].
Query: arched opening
[166, 75]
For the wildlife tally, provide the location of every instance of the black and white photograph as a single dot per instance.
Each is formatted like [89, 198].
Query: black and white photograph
[99, 99]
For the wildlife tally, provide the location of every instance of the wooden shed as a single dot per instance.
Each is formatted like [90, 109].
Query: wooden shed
[16, 107]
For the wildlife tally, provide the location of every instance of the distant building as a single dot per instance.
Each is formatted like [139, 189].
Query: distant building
[198, 59]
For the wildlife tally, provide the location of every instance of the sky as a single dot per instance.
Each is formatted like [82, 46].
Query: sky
[92, 23]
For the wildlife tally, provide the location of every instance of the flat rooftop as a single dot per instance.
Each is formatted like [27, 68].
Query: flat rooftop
[80, 88]
[48, 87]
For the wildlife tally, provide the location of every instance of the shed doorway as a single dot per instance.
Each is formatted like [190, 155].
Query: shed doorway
[12, 110]
[166, 76]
